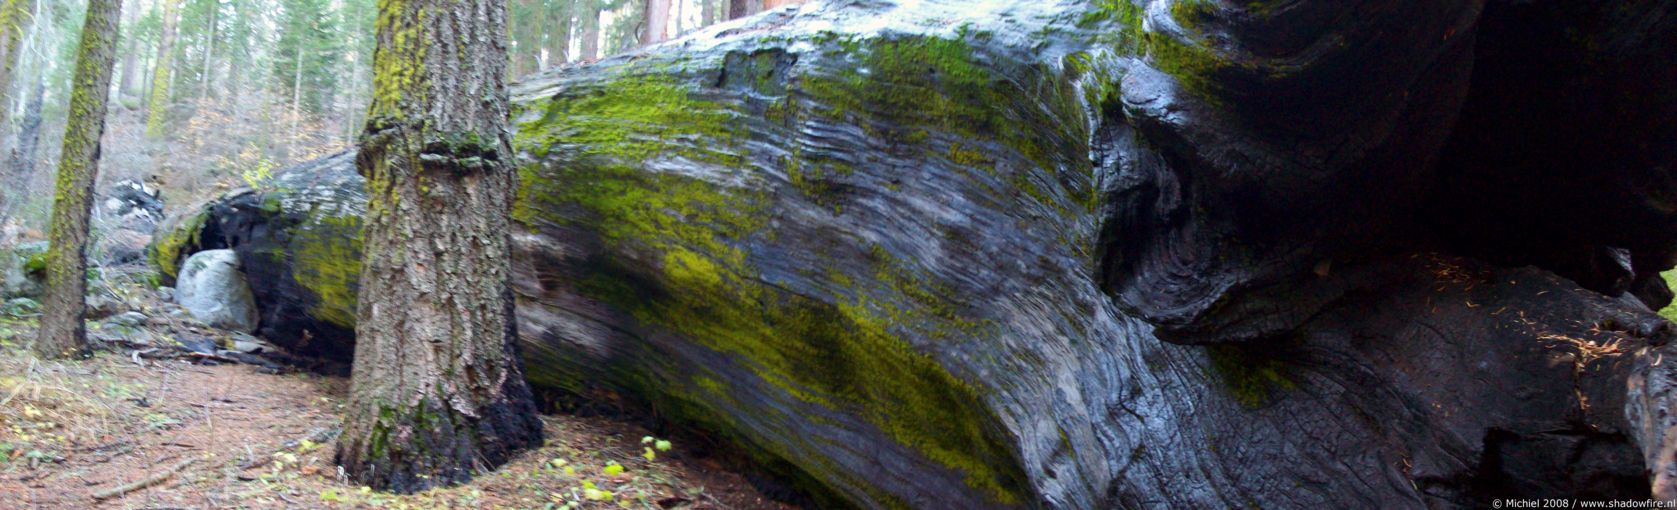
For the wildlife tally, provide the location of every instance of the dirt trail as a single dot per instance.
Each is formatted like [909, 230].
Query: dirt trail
[229, 436]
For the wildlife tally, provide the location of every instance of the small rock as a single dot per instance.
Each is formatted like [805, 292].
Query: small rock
[99, 307]
[249, 344]
[198, 344]
[128, 319]
[122, 246]
[166, 294]
[21, 306]
[23, 270]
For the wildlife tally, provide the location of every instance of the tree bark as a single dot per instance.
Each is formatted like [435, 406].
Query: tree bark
[438, 389]
[707, 12]
[157, 109]
[62, 331]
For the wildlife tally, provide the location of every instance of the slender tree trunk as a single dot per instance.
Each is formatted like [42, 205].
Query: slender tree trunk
[29, 133]
[438, 388]
[741, 8]
[12, 15]
[296, 95]
[130, 52]
[707, 12]
[209, 53]
[657, 26]
[64, 305]
[157, 109]
[590, 29]
[559, 37]
[526, 32]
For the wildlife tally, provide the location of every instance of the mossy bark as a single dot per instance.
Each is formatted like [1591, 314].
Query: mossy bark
[438, 391]
[63, 307]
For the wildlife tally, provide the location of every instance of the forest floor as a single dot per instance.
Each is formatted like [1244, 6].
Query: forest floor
[122, 431]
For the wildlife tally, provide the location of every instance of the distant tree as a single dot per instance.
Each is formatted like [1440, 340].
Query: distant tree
[561, 19]
[525, 31]
[157, 108]
[437, 386]
[129, 70]
[13, 15]
[308, 48]
[742, 8]
[657, 21]
[588, 18]
[63, 332]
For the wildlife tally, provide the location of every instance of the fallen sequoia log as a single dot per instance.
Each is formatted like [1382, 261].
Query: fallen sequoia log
[971, 254]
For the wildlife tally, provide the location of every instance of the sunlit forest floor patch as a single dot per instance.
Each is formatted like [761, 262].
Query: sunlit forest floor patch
[122, 431]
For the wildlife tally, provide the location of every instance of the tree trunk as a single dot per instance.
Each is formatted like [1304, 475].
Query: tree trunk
[741, 8]
[559, 39]
[590, 30]
[209, 53]
[296, 98]
[157, 108]
[12, 15]
[28, 134]
[438, 389]
[526, 32]
[62, 332]
[656, 28]
[130, 52]
[707, 12]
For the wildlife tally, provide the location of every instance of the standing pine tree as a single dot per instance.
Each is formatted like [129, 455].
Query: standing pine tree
[63, 307]
[437, 388]
[157, 108]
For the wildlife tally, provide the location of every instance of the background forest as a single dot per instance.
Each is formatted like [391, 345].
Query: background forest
[215, 94]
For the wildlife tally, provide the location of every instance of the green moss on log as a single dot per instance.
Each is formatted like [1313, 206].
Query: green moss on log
[165, 252]
[678, 267]
[1670, 312]
[326, 259]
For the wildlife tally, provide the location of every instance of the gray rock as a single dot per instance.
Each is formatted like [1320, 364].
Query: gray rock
[197, 343]
[22, 270]
[122, 246]
[21, 306]
[166, 293]
[249, 344]
[100, 307]
[128, 319]
[214, 291]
